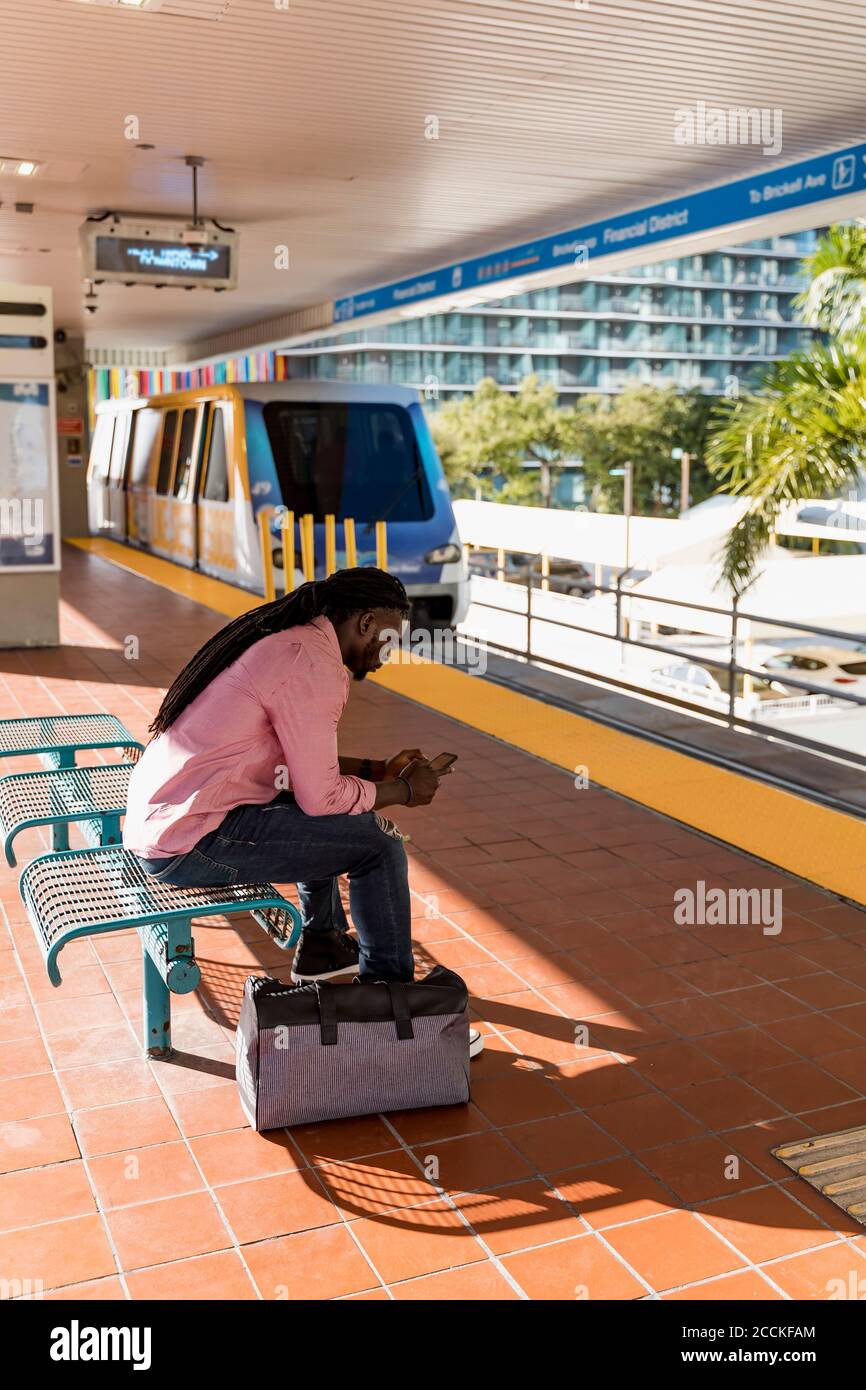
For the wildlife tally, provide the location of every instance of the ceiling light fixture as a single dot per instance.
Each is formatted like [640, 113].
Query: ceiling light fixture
[23, 168]
[127, 4]
[184, 9]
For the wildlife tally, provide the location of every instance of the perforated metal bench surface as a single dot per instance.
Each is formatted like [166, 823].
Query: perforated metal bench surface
[57, 737]
[95, 797]
[87, 892]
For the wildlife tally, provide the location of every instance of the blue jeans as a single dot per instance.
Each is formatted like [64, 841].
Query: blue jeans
[278, 842]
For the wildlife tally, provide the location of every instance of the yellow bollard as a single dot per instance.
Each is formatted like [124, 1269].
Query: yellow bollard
[500, 564]
[351, 548]
[288, 530]
[382, 545]
[309, 546]
[302, 538]
[330, 544]
[545, 571]
[748, 658]
[311, 522]
[265, 514]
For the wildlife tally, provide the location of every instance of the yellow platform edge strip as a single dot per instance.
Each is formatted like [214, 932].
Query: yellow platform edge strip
[200, 588]
[824, 846]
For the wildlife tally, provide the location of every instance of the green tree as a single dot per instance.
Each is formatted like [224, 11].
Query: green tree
[474, 437]
[835, 298]
[643, 425]
[485, 439]
[802, 432]
[546, 432]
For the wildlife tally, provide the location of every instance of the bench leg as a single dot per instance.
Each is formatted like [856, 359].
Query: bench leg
[110, 832]
[157, 1010]
[65, 758]
[60, 835]
[169, 968]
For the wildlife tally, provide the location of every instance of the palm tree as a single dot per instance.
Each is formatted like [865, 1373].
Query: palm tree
[802, 432]
[835, 300]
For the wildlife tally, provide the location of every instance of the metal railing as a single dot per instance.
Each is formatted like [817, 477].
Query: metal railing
[729, 716]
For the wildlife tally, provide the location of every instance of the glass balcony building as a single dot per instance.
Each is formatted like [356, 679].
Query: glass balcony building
[697, 322]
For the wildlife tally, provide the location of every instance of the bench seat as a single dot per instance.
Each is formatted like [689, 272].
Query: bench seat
[92, 891]
[55, 738]
[93, 797]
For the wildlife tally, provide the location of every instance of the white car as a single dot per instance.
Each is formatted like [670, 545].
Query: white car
[695, 682]
[830, 666]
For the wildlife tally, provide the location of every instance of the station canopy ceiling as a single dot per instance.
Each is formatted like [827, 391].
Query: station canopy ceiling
[376, 139]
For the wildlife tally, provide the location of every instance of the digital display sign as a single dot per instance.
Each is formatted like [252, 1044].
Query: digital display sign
[164, 260]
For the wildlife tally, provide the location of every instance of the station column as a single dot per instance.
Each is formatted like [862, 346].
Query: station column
[29, 511]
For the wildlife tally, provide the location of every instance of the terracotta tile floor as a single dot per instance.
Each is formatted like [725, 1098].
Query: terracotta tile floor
[635, 1077]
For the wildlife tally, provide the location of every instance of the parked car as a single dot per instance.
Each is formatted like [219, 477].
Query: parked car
[566, 576]
[692, 681]
[845, 666]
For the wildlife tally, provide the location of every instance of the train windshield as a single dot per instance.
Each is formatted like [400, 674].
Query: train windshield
[359, 460]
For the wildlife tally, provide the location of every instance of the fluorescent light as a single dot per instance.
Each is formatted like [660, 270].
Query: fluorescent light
[24, 168]
[113, 4]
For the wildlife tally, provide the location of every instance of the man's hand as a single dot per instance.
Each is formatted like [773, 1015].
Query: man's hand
[396, 764]
[423, 781]
[414, 775]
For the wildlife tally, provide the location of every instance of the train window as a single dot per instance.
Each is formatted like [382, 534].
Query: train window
[118, 449]
[352, 460]
[147, 424]
[100, 449]
[185, 458]
[166, 452]
[216, 483]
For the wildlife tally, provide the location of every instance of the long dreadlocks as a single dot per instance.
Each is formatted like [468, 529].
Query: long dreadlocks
[338, 597]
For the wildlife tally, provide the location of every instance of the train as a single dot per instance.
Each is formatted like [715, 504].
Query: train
[185, 475]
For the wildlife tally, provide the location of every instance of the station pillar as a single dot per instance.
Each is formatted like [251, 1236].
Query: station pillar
[29, 503]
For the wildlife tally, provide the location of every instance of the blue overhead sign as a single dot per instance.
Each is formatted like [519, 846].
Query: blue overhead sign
[795, 185]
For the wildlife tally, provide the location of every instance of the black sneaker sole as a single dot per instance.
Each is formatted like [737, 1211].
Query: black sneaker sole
[325, 974]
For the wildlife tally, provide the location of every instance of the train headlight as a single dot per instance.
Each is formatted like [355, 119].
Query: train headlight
[443, 555]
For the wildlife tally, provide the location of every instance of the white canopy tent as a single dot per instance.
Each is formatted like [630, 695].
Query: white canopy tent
[824, 591]
[837, 520]
[596, 538]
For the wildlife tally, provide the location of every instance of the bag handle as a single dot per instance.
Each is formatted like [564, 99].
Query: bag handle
[328, 1012]
[400, 1008]
[327, 1015]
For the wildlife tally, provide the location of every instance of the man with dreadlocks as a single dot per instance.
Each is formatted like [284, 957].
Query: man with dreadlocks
[242, 781]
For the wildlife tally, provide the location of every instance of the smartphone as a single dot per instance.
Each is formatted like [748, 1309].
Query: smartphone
[443, 761]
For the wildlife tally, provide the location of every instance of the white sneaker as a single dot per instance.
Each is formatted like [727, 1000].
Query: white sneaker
[476, 1043]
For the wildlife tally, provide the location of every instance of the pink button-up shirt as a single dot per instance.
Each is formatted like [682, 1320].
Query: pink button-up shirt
[267, 723]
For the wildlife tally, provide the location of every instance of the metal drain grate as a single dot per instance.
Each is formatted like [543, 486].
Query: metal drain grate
[835, 1165]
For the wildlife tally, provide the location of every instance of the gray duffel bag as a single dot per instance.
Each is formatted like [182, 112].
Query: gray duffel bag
[324, 1051]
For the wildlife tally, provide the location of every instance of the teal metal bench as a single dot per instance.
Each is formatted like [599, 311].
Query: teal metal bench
[92, 891]
[93, 797]
[55, 739]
